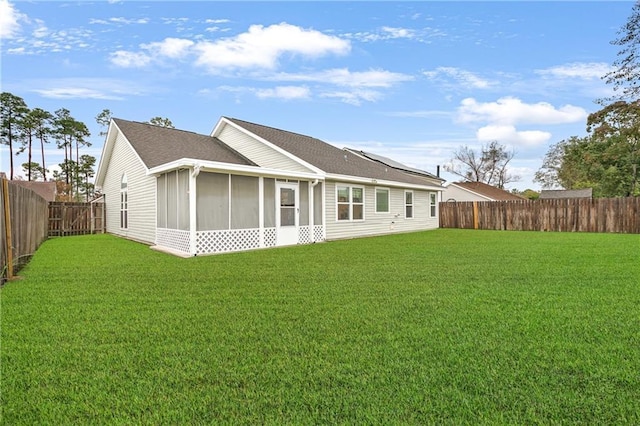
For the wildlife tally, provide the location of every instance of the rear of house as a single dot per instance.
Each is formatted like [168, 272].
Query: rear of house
[249, 186]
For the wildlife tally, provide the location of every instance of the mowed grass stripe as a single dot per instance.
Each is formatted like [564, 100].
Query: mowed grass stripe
[445, 326]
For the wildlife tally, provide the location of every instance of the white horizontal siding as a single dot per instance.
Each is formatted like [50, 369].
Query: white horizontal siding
[141, 195]
[257, 151]
[379, 223]
[455, 193]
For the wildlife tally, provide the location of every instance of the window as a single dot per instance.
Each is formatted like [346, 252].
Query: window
[350, 202]
[124, 203]
[408, 204]
[382, 200]
[432, 205]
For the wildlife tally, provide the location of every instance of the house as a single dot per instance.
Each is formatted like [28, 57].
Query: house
[554, 194]
[46, 190]
[476, 191]
[249, 186]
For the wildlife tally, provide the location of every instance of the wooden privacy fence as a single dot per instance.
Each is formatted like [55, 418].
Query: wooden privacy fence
[67, 218]
[620, 215]
[23, 226]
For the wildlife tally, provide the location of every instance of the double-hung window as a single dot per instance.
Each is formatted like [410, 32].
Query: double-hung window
[408, 204]
[433, 205]
[350, 202]
[382, 200]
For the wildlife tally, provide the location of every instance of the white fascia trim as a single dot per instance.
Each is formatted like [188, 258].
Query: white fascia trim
[276, 148]
[381, 182]
[228, 167]
[108, 143]
[144, 166]
[472, 192]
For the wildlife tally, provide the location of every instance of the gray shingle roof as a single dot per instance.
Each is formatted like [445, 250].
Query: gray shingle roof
[547, 194]
[327, 157]
[489, 191]
[159, 145]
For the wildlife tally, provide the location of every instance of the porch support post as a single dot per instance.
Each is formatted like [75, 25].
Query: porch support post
[312, 201]
[192, 210]
[261, 210]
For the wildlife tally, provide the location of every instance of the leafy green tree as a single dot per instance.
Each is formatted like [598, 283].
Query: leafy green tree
[620, 122]
[489, 166]
[12, 111]
[588, 162]
[42, 121]
[161, 122]
[103, 119]
[529, 194]
[86, 171]
[63, 132]
[27, 129]
[70, 132]
[34, 170]
[625, 77]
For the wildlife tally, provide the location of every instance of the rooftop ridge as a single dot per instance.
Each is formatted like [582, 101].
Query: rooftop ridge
[274, 128]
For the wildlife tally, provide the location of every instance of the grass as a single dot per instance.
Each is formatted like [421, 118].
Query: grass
[445, 326]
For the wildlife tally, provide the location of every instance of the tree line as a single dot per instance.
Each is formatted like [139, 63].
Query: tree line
[26, 130]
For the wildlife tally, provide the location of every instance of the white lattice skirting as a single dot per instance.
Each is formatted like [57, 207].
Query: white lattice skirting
[227, 240]
[209, 242]
[173, 239]
[318, 233]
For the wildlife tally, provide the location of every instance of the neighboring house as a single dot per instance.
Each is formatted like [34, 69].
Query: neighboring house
[476, 191]
[248, 186]
[554, 194]
[46, 190]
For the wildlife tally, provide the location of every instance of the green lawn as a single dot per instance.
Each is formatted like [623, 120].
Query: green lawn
[446, 326]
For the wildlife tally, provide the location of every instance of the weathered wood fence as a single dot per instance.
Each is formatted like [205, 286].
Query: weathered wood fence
[67, 218]
[618, 215]
[23, 226]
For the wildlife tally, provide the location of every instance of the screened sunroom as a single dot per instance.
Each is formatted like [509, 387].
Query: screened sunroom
[206, 212]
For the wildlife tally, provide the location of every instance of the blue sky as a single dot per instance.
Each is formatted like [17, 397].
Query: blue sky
[413, 81]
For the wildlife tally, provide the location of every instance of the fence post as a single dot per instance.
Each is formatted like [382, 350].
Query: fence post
[475, 215]
[7, 226]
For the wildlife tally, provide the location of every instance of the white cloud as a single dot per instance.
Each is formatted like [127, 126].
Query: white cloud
[499, 119]
[284, 92]
[580, 70]
[9, 20]
[391, 33]
[169, 47]
[216, 21]
[344, 77]
[509, 135]
[75, 93]
[127, 21]
[125, 59]
[511, 111]
[259, 47]
[353, 97]
[41, 31]
[463, 78]
[262, 47]
[85, 88]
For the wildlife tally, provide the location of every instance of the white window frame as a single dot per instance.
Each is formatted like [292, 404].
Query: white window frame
[124, 202]
[350, 203]
[412, 204]
[433, 204]
[388, 191]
